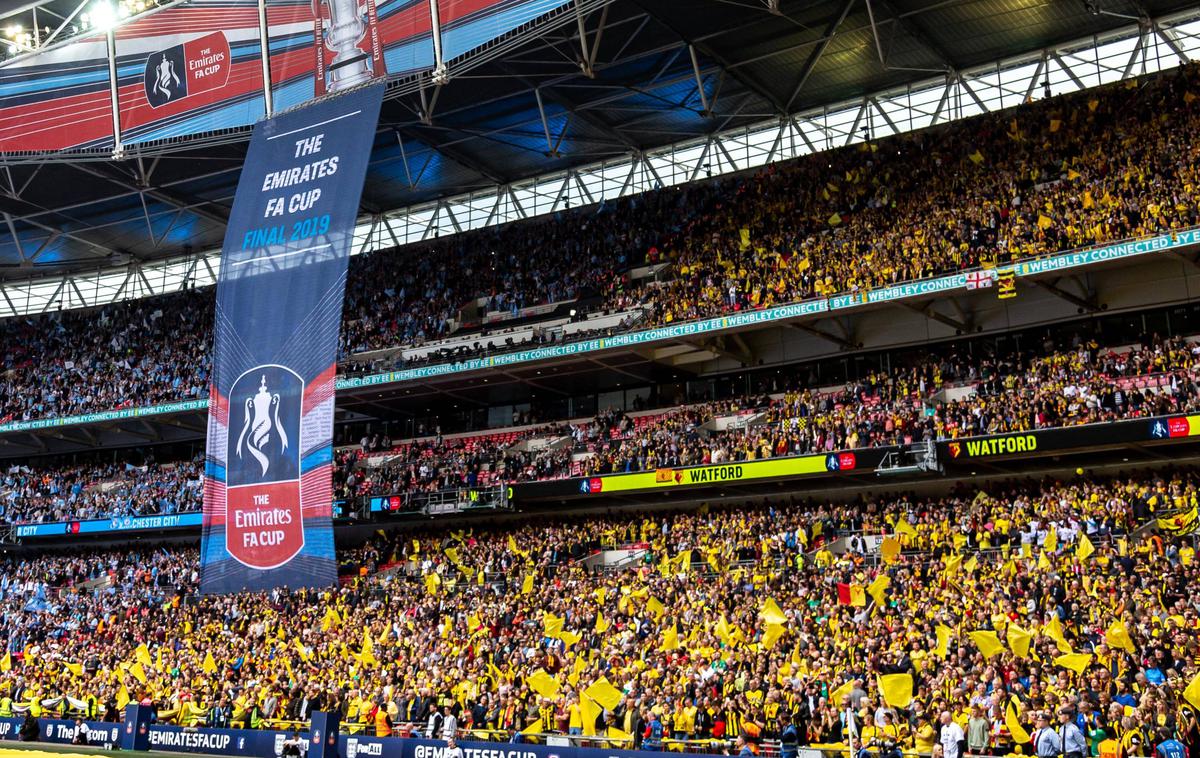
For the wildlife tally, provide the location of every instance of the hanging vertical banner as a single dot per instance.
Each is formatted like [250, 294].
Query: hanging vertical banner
[268, 491]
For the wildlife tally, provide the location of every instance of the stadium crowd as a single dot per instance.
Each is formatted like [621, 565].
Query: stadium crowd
[79, 491]
[1079, 383]
[994, 606]
[1083, 383]
[1062, 173]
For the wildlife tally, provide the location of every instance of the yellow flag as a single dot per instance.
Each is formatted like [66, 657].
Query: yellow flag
[1054, 631]
[543, 684]
[552, 625]
[943, 640]
[1117, 636]
[1077, 662]
[569, 638]
[6, 662]
[903, 527]
[889, 549]
[655, 607]
[971, 564]
[1019, 640]
[590, 712]
[210, 665]
[844, 689]
[976, 157]
[602, 624]
[772, 613]
[76, 669]
[1192, 693]
[897, 689]
[878, 587]
[527, 585]
[534, 728]
[771, 635]
[432, 582]
[1051, 543]
[604, 693]
[1044, 222]
[1085, 549]
[670, 639]
[304, 654]
[1018, 732]
[835, 219]
[953, 564]
[139, 672]
[1043, 563]
[616, 735]
[367, 654]
[987, 642]
[142, 655]
[122, 698]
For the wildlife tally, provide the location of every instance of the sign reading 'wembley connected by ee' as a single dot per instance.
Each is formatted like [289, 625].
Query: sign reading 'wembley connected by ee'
[1074, 259]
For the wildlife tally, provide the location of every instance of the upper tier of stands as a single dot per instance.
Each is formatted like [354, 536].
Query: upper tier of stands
[1099, 165]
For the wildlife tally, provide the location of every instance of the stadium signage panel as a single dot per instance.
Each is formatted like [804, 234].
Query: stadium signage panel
[735, 472]
[894, 293]
[113, 415]
[62, 731]
[987, 446]
[108, 525]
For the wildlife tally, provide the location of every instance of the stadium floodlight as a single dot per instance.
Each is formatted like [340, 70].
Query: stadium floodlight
[102, 15]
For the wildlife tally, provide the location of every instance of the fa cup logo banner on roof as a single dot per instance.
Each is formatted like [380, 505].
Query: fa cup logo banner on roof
[264, 520]
[188, 70]
[258, 410]
[349, 50]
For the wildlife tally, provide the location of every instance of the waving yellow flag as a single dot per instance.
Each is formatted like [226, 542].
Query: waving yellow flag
[943, 640]
[1192, 693]
[670, 639]
[987, 642]
[1085, 549]
[897, 689]
[543, 684]
[1053, 629]
[1019, 735]
[210, 665]
[877, 587]
[772, 613]
[1077, 662]
[604, 693]
[1117, 636]
[1019, 640]
[1051, 543]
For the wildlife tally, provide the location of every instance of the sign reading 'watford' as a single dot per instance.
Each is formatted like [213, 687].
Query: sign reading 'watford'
[987, 446]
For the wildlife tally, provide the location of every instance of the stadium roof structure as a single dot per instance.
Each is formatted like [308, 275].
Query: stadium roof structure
[606, 86]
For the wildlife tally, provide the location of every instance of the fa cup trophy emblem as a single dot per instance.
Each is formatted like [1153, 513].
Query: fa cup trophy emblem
[256, 432]
[349, 64]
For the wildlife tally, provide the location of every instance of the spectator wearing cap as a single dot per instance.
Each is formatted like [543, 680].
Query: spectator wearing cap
[1073, 743]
